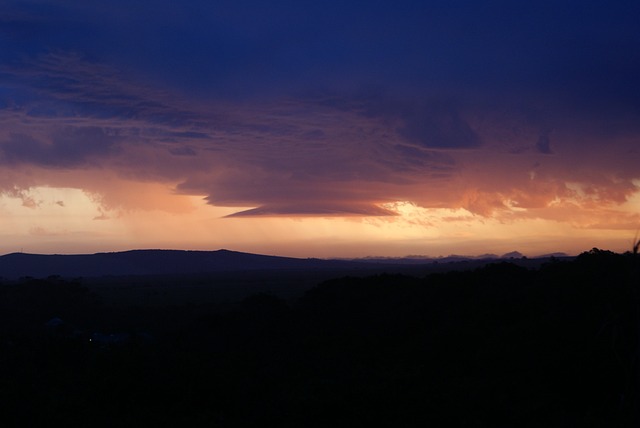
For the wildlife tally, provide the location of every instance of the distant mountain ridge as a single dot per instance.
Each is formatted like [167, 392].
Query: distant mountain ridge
[454, 258]
[151, 262]
[183, 262]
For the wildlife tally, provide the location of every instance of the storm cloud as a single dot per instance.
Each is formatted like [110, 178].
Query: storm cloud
[67, 148]
[327, 109]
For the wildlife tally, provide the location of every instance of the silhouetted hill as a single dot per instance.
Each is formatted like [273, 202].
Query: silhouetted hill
[153, 262]
[512, 255]
[501, 345]
[179, 262]
[454, 258]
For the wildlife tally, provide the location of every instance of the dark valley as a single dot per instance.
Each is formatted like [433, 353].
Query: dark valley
[499, 344]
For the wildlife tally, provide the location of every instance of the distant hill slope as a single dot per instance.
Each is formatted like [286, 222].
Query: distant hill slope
[153, 262]
[180, 262]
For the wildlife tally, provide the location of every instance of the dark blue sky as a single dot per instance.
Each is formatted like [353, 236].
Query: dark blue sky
[582, 51]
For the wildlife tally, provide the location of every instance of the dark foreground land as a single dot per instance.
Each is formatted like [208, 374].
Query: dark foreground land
[501, 345]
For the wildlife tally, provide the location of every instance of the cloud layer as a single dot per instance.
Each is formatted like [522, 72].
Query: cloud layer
[314, 154]
[508, 112]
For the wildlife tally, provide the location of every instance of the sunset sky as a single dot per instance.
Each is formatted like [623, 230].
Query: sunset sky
[319, 129]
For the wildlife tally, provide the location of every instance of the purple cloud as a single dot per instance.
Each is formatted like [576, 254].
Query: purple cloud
[344, 153]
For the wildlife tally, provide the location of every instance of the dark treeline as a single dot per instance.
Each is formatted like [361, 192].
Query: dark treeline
[501, 345]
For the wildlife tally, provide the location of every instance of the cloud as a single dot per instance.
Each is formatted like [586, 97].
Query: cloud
[102, 216]
[182, 151]
[28, 201]
[80, 123]
[68, 147]
[326, 209]
[544, 145]
[68, 84]
[439, 128]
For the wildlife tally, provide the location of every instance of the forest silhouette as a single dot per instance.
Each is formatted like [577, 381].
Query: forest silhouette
[499, 345]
